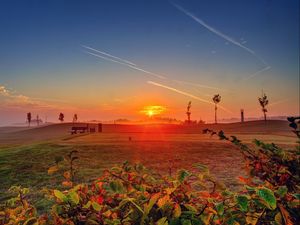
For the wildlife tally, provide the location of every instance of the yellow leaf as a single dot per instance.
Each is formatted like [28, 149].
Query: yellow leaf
[177, 211]
[278, 218]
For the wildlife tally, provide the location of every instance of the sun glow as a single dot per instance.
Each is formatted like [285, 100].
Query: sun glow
[153, 110]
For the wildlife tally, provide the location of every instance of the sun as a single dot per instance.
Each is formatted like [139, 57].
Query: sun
[153, 110]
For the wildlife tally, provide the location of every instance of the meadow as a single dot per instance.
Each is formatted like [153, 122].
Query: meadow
[27, 153]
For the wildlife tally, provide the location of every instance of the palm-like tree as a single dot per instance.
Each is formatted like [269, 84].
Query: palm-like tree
[216, 99]
[263, 101]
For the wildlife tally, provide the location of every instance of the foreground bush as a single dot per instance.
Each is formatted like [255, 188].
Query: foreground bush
[132, 194]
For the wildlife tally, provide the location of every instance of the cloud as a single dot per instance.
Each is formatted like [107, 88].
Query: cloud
[217, 32]
[12, 100]
[186, 94]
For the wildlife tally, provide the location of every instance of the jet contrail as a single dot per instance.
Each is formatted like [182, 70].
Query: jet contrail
[126, 64]
[186, 94]
[109, 55]
[215, 31]
[256, 73]
[197, 85]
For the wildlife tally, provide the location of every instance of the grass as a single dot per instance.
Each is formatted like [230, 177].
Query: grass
[27, 165]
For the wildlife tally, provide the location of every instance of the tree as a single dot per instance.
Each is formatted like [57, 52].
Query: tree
[29, 118]
[61, 117]
[75, 118]
[216, 99]
[188, 112]
[263, 101]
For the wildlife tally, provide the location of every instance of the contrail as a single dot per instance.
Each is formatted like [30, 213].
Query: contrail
[109, 55]
[215, 31]
[198, 85]
[186, 94]
[257, 73]
[126, 64]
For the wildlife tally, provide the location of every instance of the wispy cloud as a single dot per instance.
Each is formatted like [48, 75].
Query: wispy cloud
[13, 100]
[109, 55]
[217, 32]
[186, 94]
[127, 64]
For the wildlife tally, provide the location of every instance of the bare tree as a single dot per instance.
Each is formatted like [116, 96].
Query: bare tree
[188, 112]
[61, 117]
[75, 118]
[29, 118]
[263, 101]
[216, 99]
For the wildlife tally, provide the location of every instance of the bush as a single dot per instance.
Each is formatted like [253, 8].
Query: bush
[132, 194]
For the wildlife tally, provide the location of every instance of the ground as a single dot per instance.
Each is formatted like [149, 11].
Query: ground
[27, 153]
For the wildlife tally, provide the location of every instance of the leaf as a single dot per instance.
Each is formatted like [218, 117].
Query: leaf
[162, 221]
[116, 186]
[162, 201]
[96, 206]
[281, 191]
[151, 202]
[182, 175]
[58, 194]
[268, 197]
[177, 211]
[190, 208]
[243, 202]
[30, 221]
[52, 170]
[278, 218]
[74, 197]
[286, 216]
[220, 208]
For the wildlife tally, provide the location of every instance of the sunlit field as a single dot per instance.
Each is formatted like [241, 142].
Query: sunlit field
[27, 153]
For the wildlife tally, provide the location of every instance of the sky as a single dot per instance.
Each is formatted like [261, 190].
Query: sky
[110, 59]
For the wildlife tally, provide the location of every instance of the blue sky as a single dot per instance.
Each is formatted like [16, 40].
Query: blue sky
[42, 58]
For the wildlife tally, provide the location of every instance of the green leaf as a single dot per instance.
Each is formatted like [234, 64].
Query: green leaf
[281, 191]
[73, 197]
[116, 186]
[162, 221]
[268, 197]
[243, 202]
[220, 208]
[182, 175]
[58, 194]
[96, 206]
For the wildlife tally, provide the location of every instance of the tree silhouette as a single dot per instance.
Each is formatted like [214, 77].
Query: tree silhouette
[263, 101]
[29, 118]
[188, 112]
[61, 117]
[75, 118]
[216, 99]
